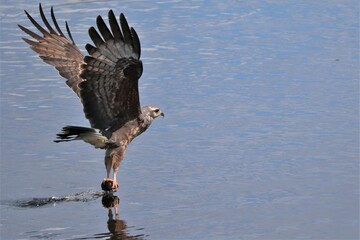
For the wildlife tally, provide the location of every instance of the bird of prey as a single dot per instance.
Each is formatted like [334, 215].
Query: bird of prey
[105, 80]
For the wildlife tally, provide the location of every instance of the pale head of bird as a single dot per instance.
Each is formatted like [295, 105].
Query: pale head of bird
[152, 111]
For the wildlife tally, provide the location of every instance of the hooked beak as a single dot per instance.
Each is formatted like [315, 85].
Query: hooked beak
[162, 114]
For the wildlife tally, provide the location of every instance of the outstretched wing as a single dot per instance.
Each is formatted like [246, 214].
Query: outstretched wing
[56, 49]
[110, 93]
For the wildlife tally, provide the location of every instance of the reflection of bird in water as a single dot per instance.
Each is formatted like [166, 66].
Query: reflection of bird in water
[116, 226]
[106, 82]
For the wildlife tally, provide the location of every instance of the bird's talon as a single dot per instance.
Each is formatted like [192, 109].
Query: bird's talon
[115, 185]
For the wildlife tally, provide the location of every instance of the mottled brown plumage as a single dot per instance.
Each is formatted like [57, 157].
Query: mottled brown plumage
[106, 81]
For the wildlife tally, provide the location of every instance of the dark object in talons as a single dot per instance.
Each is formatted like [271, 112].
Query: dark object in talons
[107, 185]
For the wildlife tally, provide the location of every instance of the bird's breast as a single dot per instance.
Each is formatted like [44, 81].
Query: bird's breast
[124, 135]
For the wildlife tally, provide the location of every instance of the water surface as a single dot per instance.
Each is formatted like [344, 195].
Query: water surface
[260, 138]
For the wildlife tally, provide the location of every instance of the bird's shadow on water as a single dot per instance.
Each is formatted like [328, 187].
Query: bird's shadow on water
[117, 227]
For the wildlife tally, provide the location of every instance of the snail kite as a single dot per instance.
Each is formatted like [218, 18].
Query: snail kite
[106, 81]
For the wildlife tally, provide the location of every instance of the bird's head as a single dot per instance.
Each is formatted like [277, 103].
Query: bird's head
[152, 111]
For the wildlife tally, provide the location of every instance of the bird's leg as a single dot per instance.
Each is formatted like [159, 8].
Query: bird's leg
[116, 160]
[108, 165]
[115, 184]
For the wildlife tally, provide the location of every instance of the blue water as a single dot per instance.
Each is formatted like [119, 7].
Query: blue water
[260, 138]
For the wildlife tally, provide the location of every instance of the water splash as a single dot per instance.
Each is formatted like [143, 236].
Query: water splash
[85, 196]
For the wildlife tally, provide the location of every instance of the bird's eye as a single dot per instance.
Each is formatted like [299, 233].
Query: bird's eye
[156, 110]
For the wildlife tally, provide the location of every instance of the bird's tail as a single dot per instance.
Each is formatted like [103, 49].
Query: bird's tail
[89, 135]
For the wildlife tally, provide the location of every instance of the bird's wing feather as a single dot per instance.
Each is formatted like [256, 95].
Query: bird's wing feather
[110, 93]
[56, 49]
